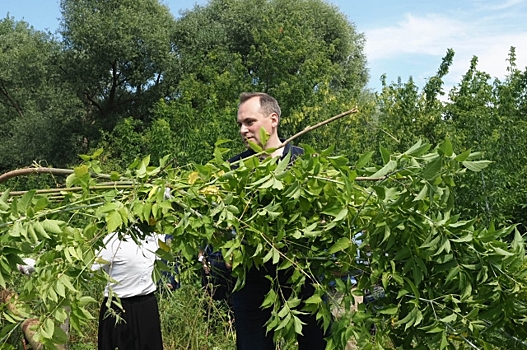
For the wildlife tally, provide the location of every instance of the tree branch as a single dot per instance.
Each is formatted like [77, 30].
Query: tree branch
[316, 126]
[42, 170]
[13, 103]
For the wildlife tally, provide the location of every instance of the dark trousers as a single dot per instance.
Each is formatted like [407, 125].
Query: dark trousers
[250, 318]
[139, 330]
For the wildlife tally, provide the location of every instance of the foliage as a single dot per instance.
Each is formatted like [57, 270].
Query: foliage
[446, 280]
[119, 64]
[479, 114]
[490, 117]
[118, 55]
[37, 110]
[184, 320]
[305, 53]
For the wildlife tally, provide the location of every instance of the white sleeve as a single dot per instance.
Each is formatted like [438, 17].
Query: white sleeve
[105, 255]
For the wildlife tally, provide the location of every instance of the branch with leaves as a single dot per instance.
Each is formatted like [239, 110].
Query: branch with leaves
[397, 231]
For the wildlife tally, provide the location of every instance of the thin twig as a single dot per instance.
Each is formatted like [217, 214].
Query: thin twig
[316, 126]
[69, 189]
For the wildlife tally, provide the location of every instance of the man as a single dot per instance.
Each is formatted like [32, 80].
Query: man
[255, 111]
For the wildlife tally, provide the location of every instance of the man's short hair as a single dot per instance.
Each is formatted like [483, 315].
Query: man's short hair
[268, 104]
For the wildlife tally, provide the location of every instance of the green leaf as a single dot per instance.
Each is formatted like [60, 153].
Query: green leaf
[3, 205]
[422, 194]
[283, 163]
[39, 228]
[284, 322]
[502, 252]
[388, 168]
[60, 336]
[463, 156]
[449, 319]
[70, 180]
[115, 176]
[466, 238]
[363, 160]
[298, 325]
[342, 243]
[314, 299]
[59, 287]
[342, 215]
[392, 310]
[113, 221]
[256, 148]
[87, 300]
[432, 244]
[2, 280]
[52, 226]
[385, 154]
[65, 280]
[418, 149]
[24, 201]
[276, 256]
[48, 329]
[446, 148]
[270, 299]
[81, 170]
[264, 135]
[452, 273]
[476, 165]
[431, 169]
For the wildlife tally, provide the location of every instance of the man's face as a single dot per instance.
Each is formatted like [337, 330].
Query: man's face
[251, 119]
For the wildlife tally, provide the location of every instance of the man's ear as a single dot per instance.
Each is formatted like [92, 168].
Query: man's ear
[274, 120]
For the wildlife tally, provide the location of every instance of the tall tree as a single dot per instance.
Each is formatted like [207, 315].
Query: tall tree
[490, 116]
[39, 113]
[119, 56]
[406, 115]
[305, 53]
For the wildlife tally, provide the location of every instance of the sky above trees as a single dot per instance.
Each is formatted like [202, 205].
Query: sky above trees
[404, 38]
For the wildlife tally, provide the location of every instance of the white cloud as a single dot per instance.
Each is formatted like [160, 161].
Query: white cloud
[493, 5]
[428, 37]
[420, 35]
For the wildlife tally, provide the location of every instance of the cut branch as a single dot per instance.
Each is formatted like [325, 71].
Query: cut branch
[316, 126]
[42, 170]
[29, 171]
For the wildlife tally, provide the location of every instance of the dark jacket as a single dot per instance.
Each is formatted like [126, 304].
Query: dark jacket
[219, 281]
[295, 152]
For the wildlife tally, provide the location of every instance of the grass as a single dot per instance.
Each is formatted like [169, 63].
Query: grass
[190, 320]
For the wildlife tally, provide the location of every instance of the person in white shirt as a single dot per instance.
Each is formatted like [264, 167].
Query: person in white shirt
[129, 266]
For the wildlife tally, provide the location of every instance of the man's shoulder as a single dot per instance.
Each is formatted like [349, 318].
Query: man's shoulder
[247, 153]
[296, 151]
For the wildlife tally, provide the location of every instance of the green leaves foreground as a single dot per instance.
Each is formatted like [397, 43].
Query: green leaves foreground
[447, 283]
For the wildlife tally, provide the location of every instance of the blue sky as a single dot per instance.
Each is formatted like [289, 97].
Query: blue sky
[403, 38]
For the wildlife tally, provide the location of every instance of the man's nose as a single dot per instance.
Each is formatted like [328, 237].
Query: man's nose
[243, 129]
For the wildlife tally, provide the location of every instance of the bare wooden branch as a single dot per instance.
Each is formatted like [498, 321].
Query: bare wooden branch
[316, 126]
[71, 189]
[28, 171]
[43, 170]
